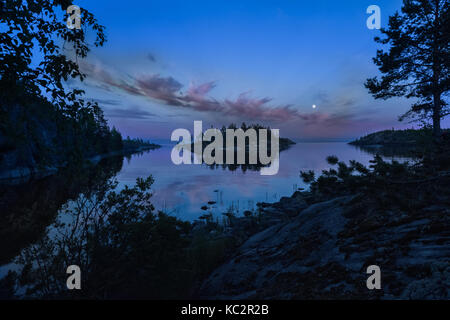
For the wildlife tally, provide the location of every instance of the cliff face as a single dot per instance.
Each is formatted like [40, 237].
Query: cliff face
[323, 252]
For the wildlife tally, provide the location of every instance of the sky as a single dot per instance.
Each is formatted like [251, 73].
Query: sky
[168, 63]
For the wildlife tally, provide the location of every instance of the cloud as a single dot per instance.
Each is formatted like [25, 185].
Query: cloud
[151, 57]
[197, 99]
[322, 97]
[129, 113]
[110, 102]
[167, 90]
[156, 87]
[257, 109]
[201, 90]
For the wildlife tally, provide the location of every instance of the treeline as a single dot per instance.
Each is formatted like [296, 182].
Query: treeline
[399, 137]
[44, 122]
[284, 143]
[35, 134]
[129, 144]
[244, 127]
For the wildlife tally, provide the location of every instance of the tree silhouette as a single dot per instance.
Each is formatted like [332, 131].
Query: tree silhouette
[38, 52]
[42, 118]
[417, 62]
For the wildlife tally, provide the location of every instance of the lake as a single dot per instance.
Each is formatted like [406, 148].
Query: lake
[182, 190]
[29, 210]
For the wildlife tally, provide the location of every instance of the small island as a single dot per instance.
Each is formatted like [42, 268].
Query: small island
[283, 144]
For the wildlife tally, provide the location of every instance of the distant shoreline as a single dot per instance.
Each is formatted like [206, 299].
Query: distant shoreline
[404, 138]
[24, 174]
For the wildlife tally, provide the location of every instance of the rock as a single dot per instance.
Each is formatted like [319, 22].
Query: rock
[278, 251]
[323, 253]
[436, 286]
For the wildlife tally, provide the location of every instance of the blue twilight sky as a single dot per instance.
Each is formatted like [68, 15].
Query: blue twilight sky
[168, 63]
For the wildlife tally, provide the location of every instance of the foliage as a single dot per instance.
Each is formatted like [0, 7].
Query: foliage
[44, 122]
[122, 246]
[397, 137]
[133, 144]
[36, 30]
[387, 185]
[418, 60]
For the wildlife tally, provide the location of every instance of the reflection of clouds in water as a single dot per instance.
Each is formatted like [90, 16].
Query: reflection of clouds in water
[193, 190]
[188, 187]
[199, 189]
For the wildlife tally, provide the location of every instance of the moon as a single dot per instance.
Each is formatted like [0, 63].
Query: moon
[314, 106]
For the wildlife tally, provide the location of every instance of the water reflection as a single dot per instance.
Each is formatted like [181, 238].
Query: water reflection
[182, 190]
[118, 242]
[28, 209]
[394, 151]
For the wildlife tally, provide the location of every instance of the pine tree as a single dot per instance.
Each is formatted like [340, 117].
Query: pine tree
[417, 62]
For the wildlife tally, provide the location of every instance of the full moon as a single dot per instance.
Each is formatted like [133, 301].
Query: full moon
[314, 106]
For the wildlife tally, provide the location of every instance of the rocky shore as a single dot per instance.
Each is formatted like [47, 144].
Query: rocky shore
[298, 249]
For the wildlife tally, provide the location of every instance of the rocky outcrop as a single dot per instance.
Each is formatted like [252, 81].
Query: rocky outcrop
[323, 251]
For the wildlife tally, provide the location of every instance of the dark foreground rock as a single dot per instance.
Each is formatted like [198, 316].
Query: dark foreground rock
[323, 252]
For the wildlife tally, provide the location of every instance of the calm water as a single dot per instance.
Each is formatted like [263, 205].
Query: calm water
[182, 190]
[28, 211]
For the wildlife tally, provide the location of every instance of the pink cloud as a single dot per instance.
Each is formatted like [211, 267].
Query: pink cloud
[258, 109]
[168, 91]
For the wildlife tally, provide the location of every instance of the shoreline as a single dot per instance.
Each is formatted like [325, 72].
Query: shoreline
[21, 175]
